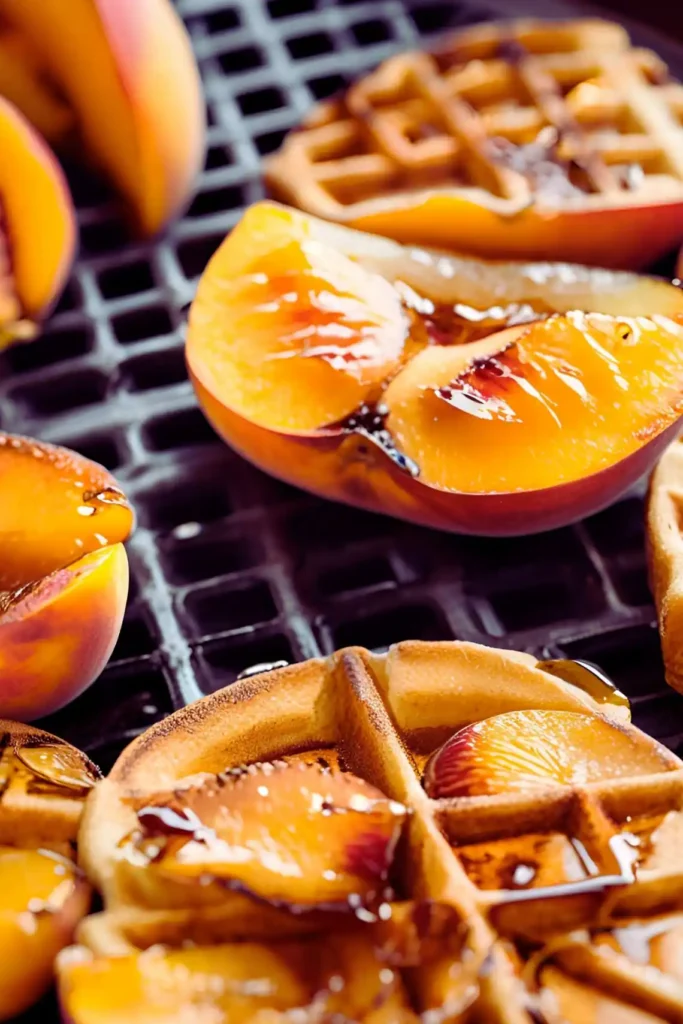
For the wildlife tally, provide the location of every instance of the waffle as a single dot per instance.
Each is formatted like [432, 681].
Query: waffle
[43, 785]
[665, 557]
[522, 901]
[495, 143]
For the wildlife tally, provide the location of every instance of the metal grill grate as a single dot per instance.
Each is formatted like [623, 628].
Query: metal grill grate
[229, 567]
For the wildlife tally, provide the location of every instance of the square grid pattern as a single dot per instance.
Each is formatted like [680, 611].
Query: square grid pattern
[229, 567]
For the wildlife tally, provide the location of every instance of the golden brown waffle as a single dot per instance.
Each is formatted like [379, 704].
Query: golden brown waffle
[496, 143]
[665, 557]
[516, 948]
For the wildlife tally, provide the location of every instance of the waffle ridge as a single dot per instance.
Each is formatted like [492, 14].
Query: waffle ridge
[377, 713]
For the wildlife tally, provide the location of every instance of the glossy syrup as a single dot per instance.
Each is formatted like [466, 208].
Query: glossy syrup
[587, 677]
[369, 421]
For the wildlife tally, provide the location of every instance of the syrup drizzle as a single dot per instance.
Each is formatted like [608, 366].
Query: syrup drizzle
[369, 420]
[587, 677]
[625, 847]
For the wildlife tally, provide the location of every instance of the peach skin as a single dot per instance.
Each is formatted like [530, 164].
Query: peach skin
[126, 70]
[39, 230]
[480, 397]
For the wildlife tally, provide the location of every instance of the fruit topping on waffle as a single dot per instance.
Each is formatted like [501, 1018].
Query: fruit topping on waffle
[333, 846]
[531, 139]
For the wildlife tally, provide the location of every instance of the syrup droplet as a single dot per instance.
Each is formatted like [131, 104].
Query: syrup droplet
[369, 420]
[587, 677]
[61, 765]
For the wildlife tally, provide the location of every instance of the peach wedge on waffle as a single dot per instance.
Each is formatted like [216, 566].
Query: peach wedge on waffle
[527, 139]
[492, 398]
[445, 832]
[43, 895]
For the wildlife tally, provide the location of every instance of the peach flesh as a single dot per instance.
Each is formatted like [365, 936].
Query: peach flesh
[353, 468]
[43, 898]
[58, 507]
[524, 751]
[38, 217]
[56, 638]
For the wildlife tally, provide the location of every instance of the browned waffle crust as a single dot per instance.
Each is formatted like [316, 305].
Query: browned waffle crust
[382, 715]
[445, 121]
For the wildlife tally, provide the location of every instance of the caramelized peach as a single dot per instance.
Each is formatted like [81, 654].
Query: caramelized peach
[291, 833]
[524, 751]
[57, 506]
[128, 74]
[43, 899]
[56, 636]
[38, 230]
[443, 390]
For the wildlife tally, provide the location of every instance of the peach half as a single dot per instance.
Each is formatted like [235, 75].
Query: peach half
[38, 233]
[524, 751]
[64, 575]
[491, 398]
[126, 73]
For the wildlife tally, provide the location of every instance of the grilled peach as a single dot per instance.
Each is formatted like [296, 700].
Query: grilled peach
[127, 74]
[522, 751]
[43, 899]
[63, 575]
[294, 834]
[38, 233]
[465, 395]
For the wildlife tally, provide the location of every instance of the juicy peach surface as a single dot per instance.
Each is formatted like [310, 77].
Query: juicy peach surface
[38, 218]
[127, 72]
[42, 899]
[470, 396]
[63, 574]
[524, 751]
[291, 833]
[57, 506]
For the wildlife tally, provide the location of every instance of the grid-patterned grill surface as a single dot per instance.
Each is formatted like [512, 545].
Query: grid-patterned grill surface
[229, 567]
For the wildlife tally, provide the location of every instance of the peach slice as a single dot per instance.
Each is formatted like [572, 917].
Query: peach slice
[293, 833]
[57, 506]
[444, 390]
[51, 764]
[38, 229]
[128, 73]
[524, 751]
[43, 898]
[56, 636]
